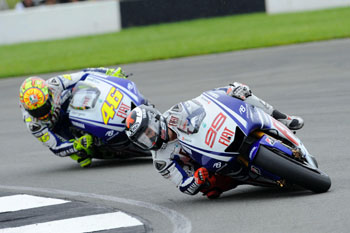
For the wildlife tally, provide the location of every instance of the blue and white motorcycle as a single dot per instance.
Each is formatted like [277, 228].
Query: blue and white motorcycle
[241, 141]
[99, 106]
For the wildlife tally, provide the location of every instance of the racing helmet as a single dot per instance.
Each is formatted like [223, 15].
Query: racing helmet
[35, 97]
[147, 128]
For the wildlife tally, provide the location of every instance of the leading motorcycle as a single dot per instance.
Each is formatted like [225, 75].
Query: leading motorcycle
[241, 141]
[99, 107]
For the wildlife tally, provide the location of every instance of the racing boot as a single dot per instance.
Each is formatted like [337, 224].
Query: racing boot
[292, 122]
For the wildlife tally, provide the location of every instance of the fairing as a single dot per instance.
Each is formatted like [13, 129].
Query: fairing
[100, 105]
[212, 147]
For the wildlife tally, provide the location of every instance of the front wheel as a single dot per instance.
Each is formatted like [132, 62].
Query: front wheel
[292, 171]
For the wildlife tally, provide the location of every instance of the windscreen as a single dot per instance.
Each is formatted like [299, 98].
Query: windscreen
[84, 96]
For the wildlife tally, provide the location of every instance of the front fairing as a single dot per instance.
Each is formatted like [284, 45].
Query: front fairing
[102, 104]
[219, 129]
[227, 123]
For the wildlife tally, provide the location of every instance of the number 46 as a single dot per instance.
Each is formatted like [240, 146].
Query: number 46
[111, 103]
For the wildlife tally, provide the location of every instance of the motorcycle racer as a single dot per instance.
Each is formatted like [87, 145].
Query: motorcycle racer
[44, 108]
[151, 130]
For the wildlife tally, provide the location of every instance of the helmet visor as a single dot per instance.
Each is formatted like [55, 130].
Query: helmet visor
[148, 138]
[41, 112]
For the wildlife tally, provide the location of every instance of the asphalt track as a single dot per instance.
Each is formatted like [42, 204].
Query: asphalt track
[311, 80]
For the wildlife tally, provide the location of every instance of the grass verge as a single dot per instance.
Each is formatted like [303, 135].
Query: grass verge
[164, 41]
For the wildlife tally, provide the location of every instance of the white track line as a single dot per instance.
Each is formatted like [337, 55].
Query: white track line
[89, 223]
[180, 223]
[23, 201]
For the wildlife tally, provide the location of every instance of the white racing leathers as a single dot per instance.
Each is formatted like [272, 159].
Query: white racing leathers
[54, 132]
[172, 161]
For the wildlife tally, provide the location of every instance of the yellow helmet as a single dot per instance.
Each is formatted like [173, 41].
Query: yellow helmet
[35, 97]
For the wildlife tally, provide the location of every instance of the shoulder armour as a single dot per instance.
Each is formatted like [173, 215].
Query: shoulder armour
[186, 116]
[34, 127]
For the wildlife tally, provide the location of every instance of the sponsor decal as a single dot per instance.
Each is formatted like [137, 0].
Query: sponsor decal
[173, 121]
[242, 109]
[123, 111]
[217, 165]
[214, 128]
[66, 152]
[109, 133]
[193, 188]
[226, 137]
[270, 141]
[130, 86]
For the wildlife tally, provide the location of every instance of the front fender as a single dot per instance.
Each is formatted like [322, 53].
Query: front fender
[268, 141]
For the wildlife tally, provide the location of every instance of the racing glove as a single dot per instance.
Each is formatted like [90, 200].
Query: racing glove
[116, 73]
[84, 147]
[201, 175]
[239, 90]
[82, 160]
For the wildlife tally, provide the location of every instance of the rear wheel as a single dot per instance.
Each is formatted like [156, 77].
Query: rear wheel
[292, 171]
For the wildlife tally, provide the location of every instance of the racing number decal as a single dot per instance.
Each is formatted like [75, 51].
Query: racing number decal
[214, 128]
[111, 103]
[44, 138]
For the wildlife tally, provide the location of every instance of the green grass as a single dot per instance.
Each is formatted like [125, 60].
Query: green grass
[12, 3]
[203, 36]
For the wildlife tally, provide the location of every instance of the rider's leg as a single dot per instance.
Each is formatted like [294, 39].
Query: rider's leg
[292, 122]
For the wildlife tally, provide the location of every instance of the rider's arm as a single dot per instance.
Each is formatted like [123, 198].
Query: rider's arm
[237, 90]
[174, 170]
[56, 144]
[67, 81]
[119, 73]
[243, 92]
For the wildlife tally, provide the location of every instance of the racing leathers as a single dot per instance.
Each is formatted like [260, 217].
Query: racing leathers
[172, 160]
[53, 131]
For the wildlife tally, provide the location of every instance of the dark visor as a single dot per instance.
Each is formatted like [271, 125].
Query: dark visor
[42, 111]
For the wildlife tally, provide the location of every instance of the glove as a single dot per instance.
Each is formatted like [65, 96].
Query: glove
[84, 143]
[82, 160]
[116, 73]
[84, 151]
[239, 90]
[201, 175]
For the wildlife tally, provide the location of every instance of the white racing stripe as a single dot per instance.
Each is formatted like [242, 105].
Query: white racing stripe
[23, 201]
[80, 224]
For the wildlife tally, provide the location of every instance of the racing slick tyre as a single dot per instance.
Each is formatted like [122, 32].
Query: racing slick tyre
[292, 171]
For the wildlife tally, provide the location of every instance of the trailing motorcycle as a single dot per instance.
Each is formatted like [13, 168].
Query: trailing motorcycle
[241, 141]
[99, 106]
